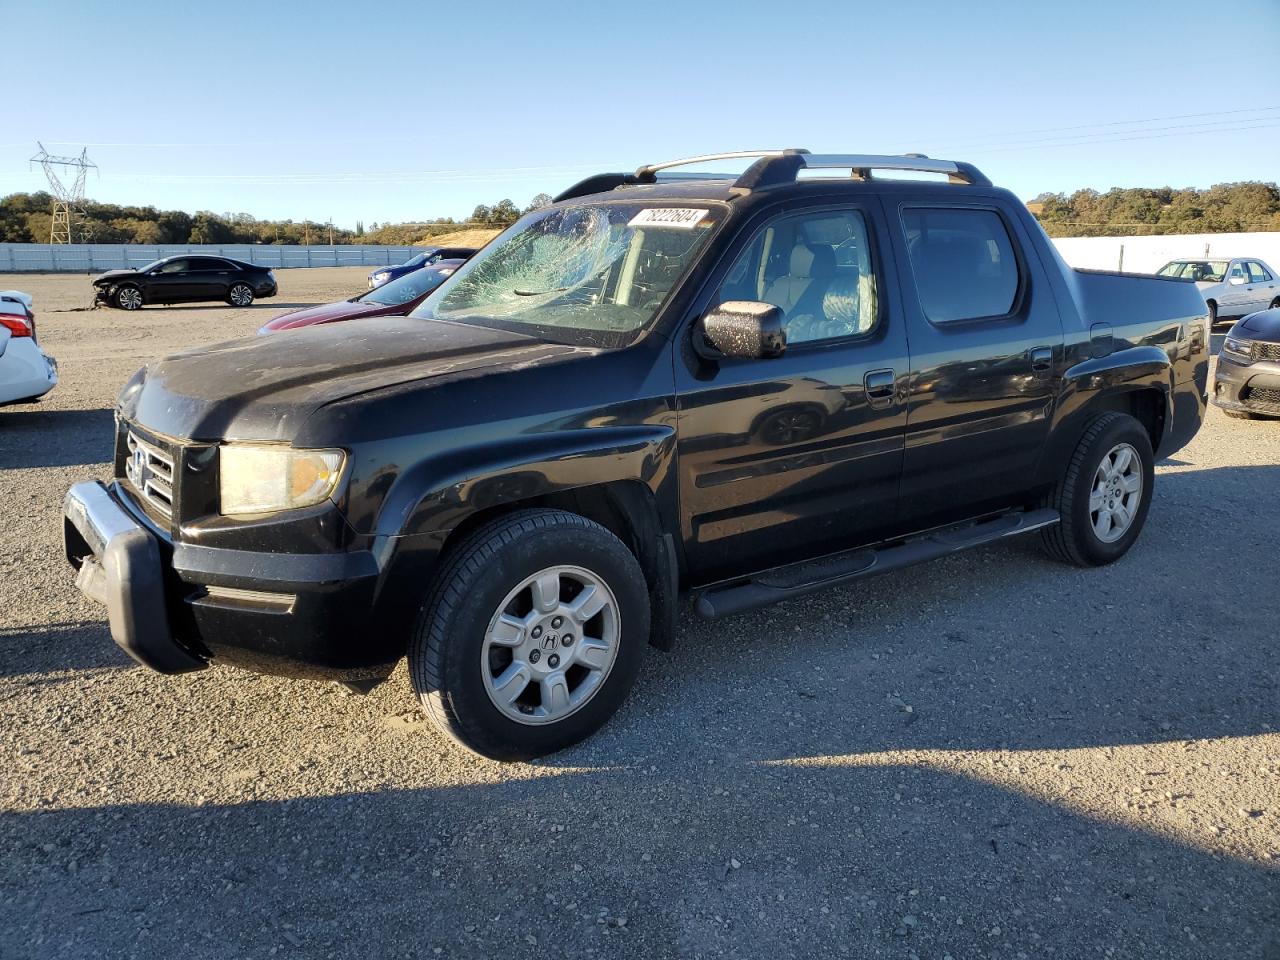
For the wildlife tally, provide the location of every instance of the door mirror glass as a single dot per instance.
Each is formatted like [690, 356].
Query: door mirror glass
[745, 329]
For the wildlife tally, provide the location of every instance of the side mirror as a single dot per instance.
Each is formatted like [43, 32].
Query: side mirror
[1236, 281]
[745, 329]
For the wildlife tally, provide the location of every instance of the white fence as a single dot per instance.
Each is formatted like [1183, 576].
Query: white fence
[1149, 254]
[96, 257]
[1131, 254]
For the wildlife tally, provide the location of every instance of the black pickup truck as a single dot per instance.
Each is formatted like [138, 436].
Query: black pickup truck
[740, 388]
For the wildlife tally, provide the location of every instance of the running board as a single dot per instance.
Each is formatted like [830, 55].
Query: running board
[797, 580]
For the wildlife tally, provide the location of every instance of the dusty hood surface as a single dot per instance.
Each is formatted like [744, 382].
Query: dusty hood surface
[265, 388]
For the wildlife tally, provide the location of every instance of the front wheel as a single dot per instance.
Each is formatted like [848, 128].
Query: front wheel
[1104, 494]
[128, 298]
[532, 636]
[240, 295]
[1213, 313]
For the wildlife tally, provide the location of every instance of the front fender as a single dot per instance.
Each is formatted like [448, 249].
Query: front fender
[437, 493]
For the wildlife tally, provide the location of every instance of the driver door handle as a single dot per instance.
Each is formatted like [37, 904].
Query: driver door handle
[1042, 360]
[879, 388]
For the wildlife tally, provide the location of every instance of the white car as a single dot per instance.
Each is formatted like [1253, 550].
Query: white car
[26, 372]
[1231, 288]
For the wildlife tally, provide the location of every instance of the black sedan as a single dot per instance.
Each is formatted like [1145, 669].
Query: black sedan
[186, 279]
[1247, 382]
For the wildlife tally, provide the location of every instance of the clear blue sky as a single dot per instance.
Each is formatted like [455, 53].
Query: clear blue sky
[401, 111]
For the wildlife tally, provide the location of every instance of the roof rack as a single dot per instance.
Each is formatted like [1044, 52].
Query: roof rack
[773, 167]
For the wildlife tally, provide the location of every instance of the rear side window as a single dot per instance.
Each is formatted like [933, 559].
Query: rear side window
[1256, 273]
[963, 263]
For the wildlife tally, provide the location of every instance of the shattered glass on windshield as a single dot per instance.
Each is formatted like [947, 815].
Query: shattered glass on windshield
[600, 267]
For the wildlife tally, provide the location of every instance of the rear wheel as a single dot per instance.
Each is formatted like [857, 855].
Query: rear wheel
[1275, 304]
[532, 636]
[1104, 494]
[240, 295]
[127, 298]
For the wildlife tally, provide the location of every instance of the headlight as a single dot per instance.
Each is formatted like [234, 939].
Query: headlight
[1238, 349]
[267, 478]
[381, 276]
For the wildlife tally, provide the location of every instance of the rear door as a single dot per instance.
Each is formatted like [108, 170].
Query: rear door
[210, 278]
[1262, 285]
[986, 353]
[786, 457]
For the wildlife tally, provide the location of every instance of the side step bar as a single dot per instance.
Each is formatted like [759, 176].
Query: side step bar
[797, 580]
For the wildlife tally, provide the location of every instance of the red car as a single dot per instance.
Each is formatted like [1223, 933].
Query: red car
[395, 298]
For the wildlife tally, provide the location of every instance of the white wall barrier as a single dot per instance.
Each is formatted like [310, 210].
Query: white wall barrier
[1131, 254]
[96, 257]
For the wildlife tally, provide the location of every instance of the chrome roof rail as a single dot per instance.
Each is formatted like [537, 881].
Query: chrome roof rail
[769, 171]
[648, 170]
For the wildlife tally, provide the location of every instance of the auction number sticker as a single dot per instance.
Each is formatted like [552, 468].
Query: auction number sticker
[673, 218]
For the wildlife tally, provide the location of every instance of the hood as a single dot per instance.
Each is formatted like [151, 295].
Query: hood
[114, 275]
[1263, 325]
[265, 388]
[329, 313]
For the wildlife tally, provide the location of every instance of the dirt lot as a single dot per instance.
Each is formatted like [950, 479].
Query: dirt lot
[992, 756]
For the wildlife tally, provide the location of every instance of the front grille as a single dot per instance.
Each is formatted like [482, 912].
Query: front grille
[1266, 351]
[150, 470]
[1264, 397]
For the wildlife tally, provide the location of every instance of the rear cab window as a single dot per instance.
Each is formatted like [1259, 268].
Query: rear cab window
[963, 263]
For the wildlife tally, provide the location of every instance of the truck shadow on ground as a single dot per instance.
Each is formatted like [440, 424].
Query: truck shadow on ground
[35, 436]
[40, 652]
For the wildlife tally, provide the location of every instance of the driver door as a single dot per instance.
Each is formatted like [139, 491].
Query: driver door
[170, 282]
[785, 458]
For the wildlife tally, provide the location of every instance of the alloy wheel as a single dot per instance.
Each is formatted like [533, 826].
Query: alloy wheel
[241, 295]
[129, 298]
[1116, 493]
[550, 645]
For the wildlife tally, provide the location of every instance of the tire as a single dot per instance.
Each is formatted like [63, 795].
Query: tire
[1275, 304]
[1076, 538]
[483, 590]
[240, 295]
[127, 297]
[1213, 314]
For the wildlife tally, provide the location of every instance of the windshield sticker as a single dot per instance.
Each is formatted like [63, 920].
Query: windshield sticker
[673, 218]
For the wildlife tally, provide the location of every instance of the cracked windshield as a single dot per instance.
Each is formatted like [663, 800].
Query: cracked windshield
[594, 274]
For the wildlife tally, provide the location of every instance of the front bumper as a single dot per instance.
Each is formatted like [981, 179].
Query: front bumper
[176, 606]
[1252, 387]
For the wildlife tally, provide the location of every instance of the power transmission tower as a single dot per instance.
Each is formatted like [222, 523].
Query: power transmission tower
[67, 197]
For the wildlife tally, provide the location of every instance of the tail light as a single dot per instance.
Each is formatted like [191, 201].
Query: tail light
[18, 326]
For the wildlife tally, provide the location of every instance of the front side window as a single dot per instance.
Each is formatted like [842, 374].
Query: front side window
[963, 263]
[175, 266]
[1257, 274]
[594, 274]
[816, 267]
[1237, 272]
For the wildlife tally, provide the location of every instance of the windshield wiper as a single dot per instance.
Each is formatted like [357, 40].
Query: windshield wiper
[538, 293]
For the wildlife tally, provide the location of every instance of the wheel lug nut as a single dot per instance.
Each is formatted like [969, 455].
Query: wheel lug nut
[555, 622]
[536, 633]
[567, 640]
[553, 661]
[535, 656]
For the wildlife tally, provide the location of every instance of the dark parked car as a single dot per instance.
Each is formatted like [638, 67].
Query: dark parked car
[186, 279]
[747, 388]
[391, 299]
[432, 255]
[1247, 381]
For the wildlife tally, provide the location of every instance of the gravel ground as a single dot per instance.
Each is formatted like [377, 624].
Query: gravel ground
[990, 756]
